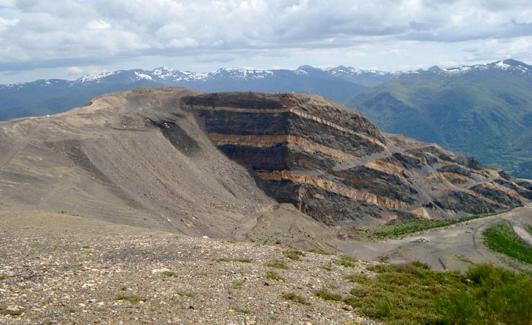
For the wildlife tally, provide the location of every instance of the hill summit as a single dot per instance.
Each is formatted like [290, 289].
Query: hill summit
[216, 164]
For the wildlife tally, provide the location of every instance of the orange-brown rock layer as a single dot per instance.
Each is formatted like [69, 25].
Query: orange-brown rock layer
[339, 168]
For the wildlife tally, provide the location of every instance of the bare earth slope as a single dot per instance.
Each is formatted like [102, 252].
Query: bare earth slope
[134, 158]
[61, 269]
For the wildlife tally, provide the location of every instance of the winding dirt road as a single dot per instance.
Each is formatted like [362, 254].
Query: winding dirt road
[450, 248]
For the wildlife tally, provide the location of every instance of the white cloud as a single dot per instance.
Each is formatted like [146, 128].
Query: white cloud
[6, 23]
[98, 24]
[75, 70]
[47, 34]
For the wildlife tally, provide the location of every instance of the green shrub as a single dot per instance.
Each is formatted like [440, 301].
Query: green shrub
[501, 238]
[327, 295]
[405, 227]
[412, 293]
[347, 261]
[356, 278]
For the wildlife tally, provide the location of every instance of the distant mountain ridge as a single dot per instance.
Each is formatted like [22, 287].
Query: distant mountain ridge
[43, 97]
[483, 110]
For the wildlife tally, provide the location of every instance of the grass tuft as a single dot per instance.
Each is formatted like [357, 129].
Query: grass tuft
[169, 274]
[327, 295]
[320, 251]
[295, 298]
[129, 297]
[241, 310]
[356, 278]
[186, 294]
[5, 311]
[238, 260]
[236, 284]
[294, 254]
[270, 275]
[278, 264]
[347, 261]
[501, 238]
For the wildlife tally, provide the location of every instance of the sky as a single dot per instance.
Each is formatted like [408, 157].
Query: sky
[68, 38]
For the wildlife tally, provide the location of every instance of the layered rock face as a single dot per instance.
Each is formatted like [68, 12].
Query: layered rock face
[177, 160]
[337, 167]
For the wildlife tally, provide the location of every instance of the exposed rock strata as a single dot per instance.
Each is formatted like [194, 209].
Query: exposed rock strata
[337, 167]
[173, 159]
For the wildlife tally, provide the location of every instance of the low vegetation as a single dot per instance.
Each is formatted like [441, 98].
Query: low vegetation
[4, 310]
[320, 251]
[295, 298]
[406, 227]
[278, 264]
[241, 310]
[293, 254]
[501, 238]
[347, 261]
[327, 267]
[270, 275]
[237, 260]
[169, 274]
[186, 294]
[412, 293]
[129, 297]
[327, 295]
[237, 284]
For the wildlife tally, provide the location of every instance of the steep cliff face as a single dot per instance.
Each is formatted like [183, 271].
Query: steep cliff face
[337, 167]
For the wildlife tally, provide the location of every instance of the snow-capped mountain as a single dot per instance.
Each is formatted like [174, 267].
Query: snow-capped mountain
[164, 74]
[339, 83]
[51, 96]
[508, 65]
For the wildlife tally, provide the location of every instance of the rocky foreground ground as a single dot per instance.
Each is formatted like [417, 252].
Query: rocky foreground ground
[62, 269]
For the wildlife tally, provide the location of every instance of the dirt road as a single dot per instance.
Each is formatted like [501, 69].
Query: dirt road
[449, 248]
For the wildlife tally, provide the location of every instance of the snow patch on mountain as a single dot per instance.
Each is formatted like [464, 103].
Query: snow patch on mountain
[506, 65]
[142, 76]
[240, 73]
[343, 70]
[96, 77]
